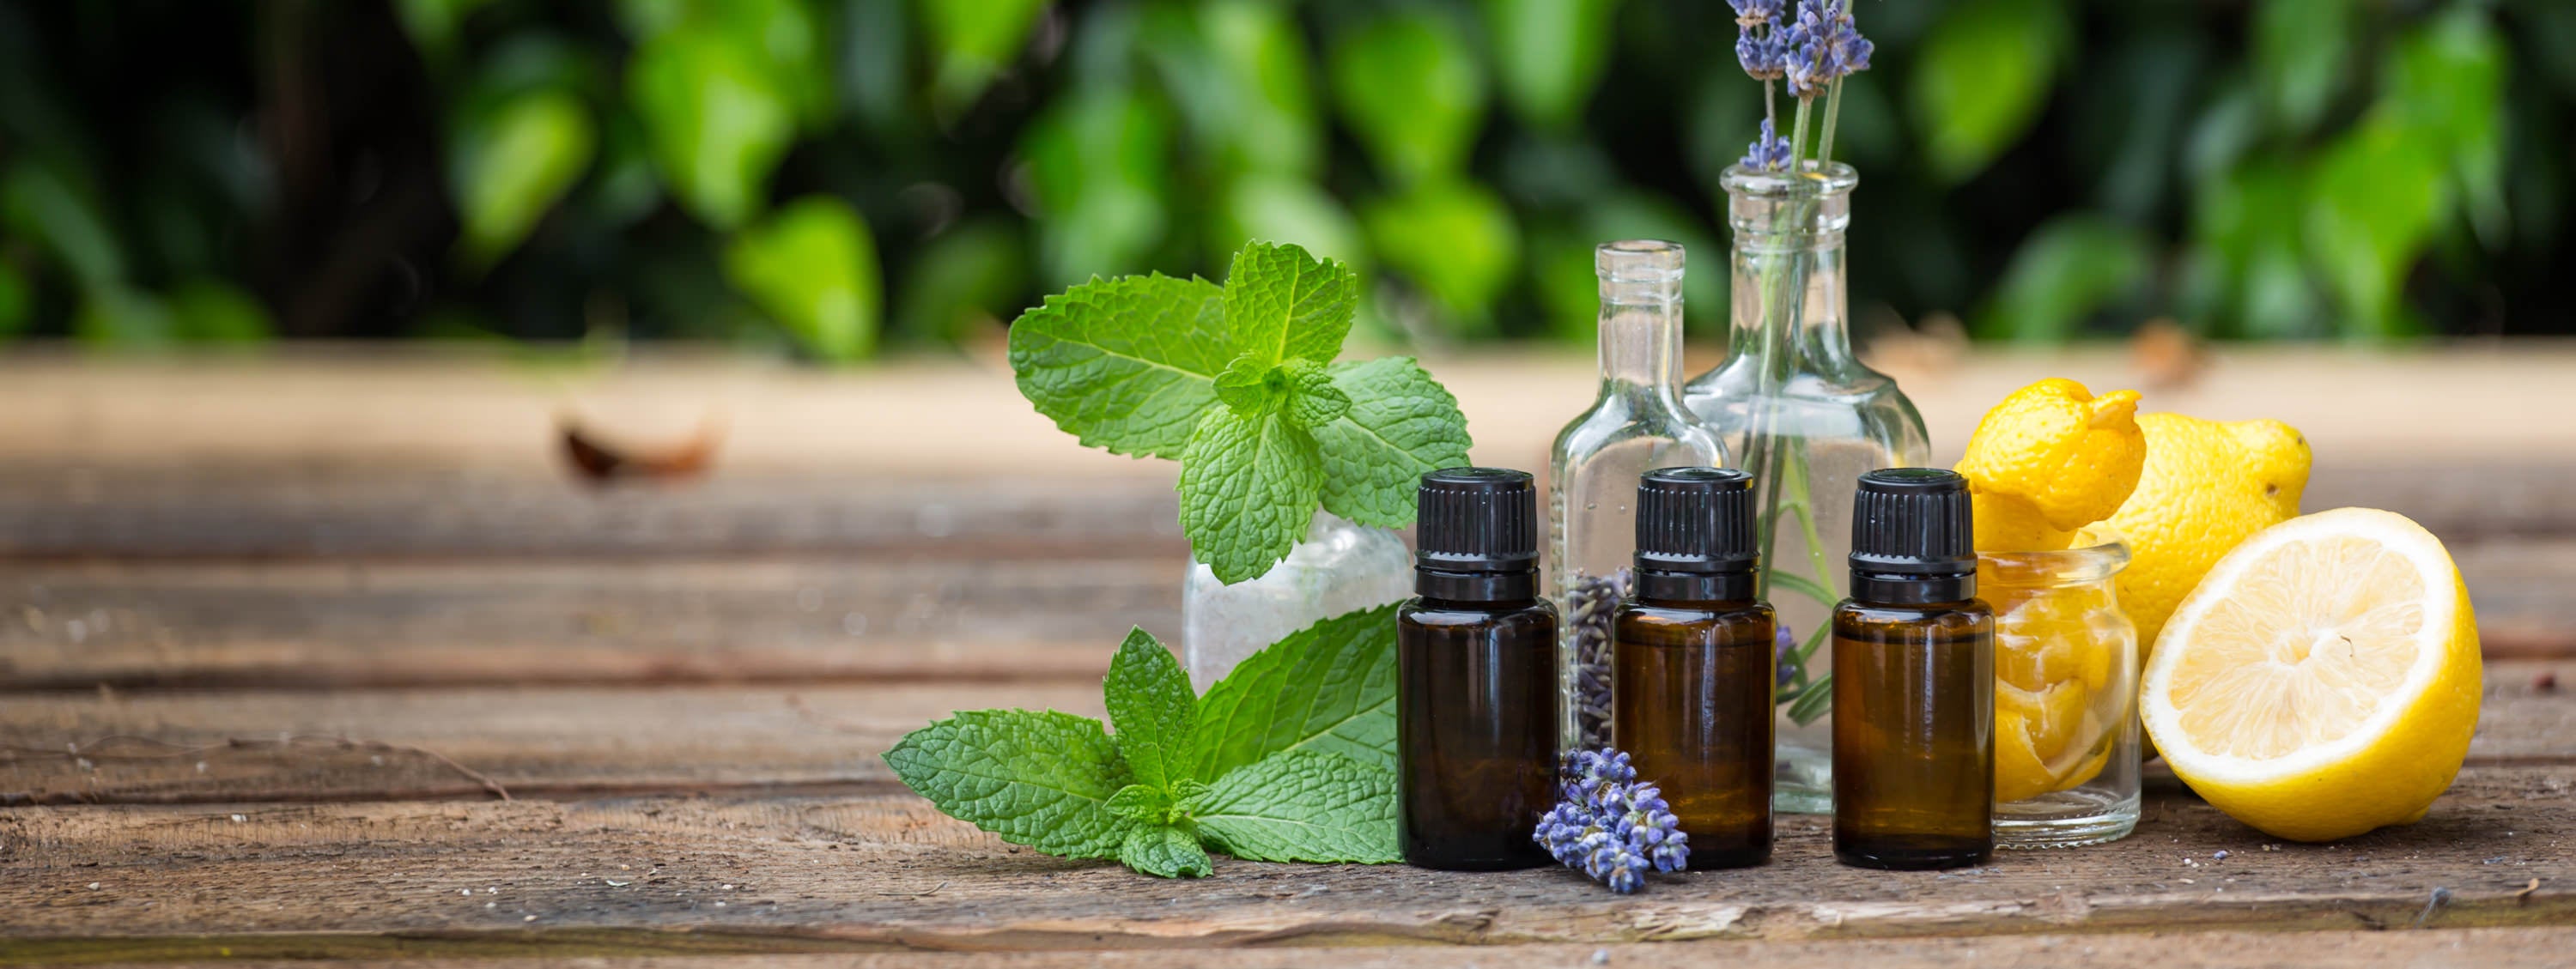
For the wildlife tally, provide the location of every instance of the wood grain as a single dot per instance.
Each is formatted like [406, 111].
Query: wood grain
[602, 949]
[890, 871]
[367, 623]
[581, 741]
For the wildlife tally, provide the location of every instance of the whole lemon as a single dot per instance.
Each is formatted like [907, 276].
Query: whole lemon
[2206, 486]
[2049, 459]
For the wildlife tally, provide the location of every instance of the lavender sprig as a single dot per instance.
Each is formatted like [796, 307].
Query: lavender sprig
[1592, 606]
[1609, 826]
[1769, 151]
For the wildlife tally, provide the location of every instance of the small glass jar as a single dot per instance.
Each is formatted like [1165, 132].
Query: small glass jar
[1340, 567]
[2066, 695]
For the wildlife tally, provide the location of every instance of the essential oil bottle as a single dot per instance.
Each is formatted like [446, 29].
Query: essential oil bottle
[1914, 702]
[1693, 663]
[1475, 690]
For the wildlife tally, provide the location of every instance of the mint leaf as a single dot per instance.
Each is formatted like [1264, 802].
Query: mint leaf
[1249, 483]
[1281, 303]
[1125, 364]
[1139, 802]
[1250, 386]
[1151, 705]
[1328, 687]
[1400, 424]
[1302, 805]
[1313, 399]
[1036, 779]
[1164, 850]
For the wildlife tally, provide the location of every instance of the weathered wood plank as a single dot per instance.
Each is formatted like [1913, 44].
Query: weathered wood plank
[62, 747]
[51, 513]
[399, 744]
[329, 624]
[627, 950]
[295, 624]
[888, 870]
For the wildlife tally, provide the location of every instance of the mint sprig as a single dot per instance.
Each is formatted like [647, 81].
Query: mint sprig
[1289, 758]
[1237, 382]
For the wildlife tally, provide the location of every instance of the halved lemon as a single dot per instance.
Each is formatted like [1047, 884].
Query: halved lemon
[2323, 679]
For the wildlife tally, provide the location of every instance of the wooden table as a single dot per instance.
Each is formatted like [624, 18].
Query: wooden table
[326, 656]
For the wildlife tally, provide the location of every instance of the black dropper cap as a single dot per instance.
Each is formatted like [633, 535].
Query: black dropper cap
[1695, 535]
[1477, 535]
[1913, 540]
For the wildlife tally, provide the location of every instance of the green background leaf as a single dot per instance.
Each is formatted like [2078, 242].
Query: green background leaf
[1981, 79]
[716, 118]
[2070, 268]
[2302, 51]
[1039, 779]
[513, 166]
[1329, 687]
[1549, 54]
[813, 268]
[1413, 92]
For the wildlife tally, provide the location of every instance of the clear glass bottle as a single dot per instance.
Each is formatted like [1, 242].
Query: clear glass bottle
[1340, 567]
[1801, 415]
[1637, 424]
[2066, 695]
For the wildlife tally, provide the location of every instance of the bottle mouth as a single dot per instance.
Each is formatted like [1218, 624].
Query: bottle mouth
[1639, 261]
[1832, 178]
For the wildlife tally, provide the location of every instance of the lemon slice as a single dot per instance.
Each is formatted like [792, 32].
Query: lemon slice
[2323, 679]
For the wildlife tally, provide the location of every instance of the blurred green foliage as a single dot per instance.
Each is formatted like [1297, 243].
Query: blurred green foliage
[835, 176]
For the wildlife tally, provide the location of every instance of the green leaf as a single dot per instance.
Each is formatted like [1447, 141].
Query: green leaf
[1148, 803]
[1401, 423]
[975, 39]
[1981, 79]
[2446, 79]
[1413, 94]
[2301, 50]
[512, 165]
[1039, 779]
[2248, 275]
[1455, 240]
[2071, 267]
[1290, 209]
[717, 119]
[1549, 54]
[1237, 69]
[1302, 805]
[1098, 168]
[39, 200]
[1314, 400]
[1249, 486]
[1125, 364]
[1282, 304]
[962, 280]
[1152, 708]
[1165, 851]
[117, 317]
[813, 268]
[1329, 687]
[1251, 386]
[211, 311]
[432, 24]
[16, 300]
[2372, 204]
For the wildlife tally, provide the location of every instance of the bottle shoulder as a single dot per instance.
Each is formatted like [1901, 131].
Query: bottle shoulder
[1965, 616]
[1437, 612]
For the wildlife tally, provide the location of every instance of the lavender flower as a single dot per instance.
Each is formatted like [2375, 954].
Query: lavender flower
[1591, 607]
[1784, 656]
[1822, 46]
[1769, 152]
[1758, 39]
[1754, 13]
[1610, 827]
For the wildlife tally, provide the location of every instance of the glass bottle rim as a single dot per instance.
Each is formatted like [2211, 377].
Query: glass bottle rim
[2098, 555]
[1835, 178]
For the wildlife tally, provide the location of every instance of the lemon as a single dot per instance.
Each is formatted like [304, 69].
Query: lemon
[2206, 486]
[2323, 679]
[2049, 459]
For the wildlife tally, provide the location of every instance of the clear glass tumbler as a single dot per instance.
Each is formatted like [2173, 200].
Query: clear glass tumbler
[2066, 695]
[1340, 567]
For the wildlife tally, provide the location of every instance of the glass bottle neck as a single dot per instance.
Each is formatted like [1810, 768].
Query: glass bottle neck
[1786, 270]
[1640, 337]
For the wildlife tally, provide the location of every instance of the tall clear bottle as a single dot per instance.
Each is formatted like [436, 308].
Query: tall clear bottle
[1806, 420]
[1637, 424]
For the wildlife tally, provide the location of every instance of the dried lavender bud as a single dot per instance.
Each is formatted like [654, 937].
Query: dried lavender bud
[1590, 608]
[1784, 654]
[1608, 826]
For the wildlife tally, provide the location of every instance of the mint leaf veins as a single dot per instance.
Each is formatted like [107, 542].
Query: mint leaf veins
[1038, 779]
[1238, 383]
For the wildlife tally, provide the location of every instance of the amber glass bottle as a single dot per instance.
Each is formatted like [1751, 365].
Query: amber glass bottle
[1914, 702]
[1475, 689]
[1693, 665]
